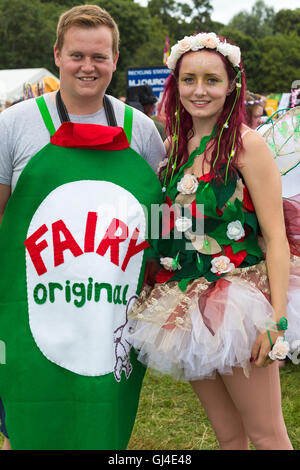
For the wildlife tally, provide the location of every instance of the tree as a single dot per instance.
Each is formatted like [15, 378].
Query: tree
[150, 54]
[251, 55]
[280, 63]
[258, 23]
[287, 21]
[27, 33]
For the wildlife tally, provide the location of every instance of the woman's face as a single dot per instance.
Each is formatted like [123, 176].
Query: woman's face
[257, 113]
[203, 84]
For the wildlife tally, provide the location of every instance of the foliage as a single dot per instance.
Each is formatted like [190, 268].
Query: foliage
[258, 23]
[269, 41]
[287, 21]
[251, 54]
[280, 62]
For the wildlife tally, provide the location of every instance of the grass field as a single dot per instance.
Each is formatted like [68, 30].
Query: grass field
[171, 418]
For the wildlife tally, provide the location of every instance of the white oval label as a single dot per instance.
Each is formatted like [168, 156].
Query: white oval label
[84, 252]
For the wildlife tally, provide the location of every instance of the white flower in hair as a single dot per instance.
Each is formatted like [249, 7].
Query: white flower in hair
[188, 184]
[224, 48]
[185, 44]
[221, 264]
[235, 55]
[211, 41]
[235, 230]
[173, 57]
[208, 40]
[197, 42]
[183, 224]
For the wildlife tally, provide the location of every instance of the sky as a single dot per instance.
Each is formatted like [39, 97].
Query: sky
[224, 10]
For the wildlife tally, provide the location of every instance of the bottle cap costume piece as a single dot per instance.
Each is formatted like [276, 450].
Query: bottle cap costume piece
[212, 296]
[74, 260]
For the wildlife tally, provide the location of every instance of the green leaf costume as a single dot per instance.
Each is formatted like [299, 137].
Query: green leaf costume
[73, 259]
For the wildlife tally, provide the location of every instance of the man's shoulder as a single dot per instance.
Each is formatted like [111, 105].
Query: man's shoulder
[20, 113]
[19, 108]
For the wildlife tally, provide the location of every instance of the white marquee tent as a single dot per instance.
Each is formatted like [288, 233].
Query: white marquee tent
[12, 82]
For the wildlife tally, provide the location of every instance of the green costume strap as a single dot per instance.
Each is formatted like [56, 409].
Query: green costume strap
[128, 117]
[40, 101]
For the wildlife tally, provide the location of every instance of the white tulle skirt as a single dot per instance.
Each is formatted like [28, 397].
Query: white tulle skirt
[211, 327]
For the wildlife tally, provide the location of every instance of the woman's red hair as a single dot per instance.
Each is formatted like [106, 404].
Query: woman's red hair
[171, 103]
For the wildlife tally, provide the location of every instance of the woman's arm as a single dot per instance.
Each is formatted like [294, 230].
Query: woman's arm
[263, 181]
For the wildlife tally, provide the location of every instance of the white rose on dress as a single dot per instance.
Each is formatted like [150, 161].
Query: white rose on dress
[188, 184]
[170, 264]
[183, 224]
[235, 230]
[221, 264]
[280, 349]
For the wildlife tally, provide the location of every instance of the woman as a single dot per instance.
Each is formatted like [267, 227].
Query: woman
[255, 105]
[214, 315]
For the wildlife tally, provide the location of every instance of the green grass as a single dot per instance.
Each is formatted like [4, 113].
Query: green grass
[170, 416]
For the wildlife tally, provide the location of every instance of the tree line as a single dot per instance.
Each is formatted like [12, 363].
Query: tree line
[270, 42]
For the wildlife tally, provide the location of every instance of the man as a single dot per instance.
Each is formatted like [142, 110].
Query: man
[74, 231]
[142, 97]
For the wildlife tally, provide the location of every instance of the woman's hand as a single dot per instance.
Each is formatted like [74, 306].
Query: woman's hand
[262, 347]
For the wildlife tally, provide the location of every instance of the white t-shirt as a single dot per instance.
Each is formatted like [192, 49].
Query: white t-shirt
[23, 134]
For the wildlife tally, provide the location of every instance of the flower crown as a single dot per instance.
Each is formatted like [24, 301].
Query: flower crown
[201, 41]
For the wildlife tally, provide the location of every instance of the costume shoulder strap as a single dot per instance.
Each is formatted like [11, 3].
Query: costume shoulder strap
[128, 118]
[40, 101]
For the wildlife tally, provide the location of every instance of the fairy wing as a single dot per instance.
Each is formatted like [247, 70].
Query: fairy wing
[282, 136]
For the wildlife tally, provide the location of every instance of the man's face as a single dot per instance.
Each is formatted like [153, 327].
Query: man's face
[86, 63]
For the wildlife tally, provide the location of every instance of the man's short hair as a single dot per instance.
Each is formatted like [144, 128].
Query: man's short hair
[86, 16]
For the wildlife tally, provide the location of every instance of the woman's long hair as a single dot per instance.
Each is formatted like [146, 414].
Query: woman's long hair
[171, 103]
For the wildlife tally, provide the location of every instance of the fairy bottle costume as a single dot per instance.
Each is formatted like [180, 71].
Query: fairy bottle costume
[73, 253]
[213, 298]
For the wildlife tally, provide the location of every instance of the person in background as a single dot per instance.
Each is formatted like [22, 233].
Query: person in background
[255, 105]
[142, 98]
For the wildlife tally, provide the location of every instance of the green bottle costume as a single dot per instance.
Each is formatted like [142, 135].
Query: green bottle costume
[73, 252]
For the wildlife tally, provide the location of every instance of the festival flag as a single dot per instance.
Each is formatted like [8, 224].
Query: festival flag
[166, 50]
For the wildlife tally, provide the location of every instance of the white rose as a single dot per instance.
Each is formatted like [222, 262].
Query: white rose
[235, 230]
[188, 184]
[185, 44]
[211, 41]
[172, 61]
[221, 265]
[169, 264]
[280, 349]
[173, 57]
[235, 55]
[224, 48]
[197, 42]
[183, 224]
